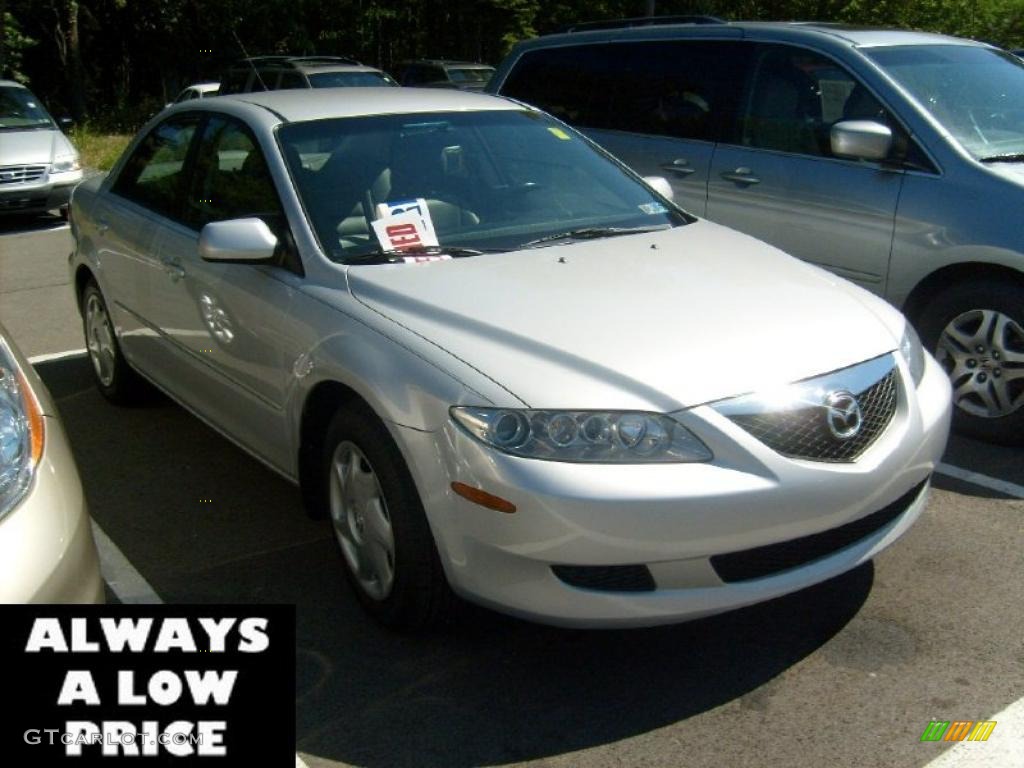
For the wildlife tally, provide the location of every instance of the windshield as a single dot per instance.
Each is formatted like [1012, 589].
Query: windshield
[976, 93]
[490, 180]
[350, 80]
[19, 109]
[474, 75]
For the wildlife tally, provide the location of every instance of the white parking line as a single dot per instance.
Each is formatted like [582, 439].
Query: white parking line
[57, 356]
[976, 478]
[128, 584]
[1004, 748]
[125, 581]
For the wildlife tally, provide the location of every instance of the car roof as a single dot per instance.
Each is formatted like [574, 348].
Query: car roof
[857, 36]
[322, 103]
[448, 63]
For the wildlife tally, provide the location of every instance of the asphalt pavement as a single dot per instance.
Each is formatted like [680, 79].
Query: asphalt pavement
[847, 673]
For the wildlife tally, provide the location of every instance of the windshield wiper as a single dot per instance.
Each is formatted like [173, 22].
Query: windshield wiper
[396, 257]
[1009, 157]
[591, 233]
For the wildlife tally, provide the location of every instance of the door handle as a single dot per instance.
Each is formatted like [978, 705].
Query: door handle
[174, 270]
[679, 167]
[741, 176]
[102, 225]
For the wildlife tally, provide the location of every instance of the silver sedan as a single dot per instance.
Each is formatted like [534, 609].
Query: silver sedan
[504, 366]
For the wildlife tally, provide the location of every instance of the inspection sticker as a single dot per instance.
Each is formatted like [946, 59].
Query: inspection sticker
[652, 208]
[559, 133]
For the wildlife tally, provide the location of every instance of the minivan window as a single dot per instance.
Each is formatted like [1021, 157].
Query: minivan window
[19, 110]
[976, 93]
[795, 98]
[682, 89]
[350, 80]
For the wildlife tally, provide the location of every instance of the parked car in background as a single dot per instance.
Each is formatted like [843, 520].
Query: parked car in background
[442, 73]
[501, 361]
[196, 91]
[39, 166]
[47, 552]
[275, 73]
[894, 159]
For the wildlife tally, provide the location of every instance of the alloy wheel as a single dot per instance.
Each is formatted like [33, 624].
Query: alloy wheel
[99, 339]
[982, 350]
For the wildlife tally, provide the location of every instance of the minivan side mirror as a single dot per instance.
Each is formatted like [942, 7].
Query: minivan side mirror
[660, 185]
[239, 240]
[861, 140]
[65, 123]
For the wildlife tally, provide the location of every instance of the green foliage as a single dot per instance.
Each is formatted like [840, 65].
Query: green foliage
[15, 43]
[138, 54]
[99, 150]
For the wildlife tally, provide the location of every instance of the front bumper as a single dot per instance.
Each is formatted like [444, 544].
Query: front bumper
[47, 552]
[671, 520]
[49, 193]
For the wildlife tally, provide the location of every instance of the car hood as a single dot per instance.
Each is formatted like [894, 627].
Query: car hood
[33, 147]
[655, 321]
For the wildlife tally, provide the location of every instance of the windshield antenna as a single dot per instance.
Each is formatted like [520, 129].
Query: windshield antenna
[245, 53]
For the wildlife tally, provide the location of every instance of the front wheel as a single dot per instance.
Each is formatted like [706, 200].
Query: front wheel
[976, 332]
[388, 552]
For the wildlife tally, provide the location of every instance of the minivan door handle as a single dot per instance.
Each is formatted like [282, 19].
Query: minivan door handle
[102, 225]
[741, 176]
[679, 167]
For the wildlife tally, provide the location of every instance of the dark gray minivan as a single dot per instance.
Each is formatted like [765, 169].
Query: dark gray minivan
[892, 158]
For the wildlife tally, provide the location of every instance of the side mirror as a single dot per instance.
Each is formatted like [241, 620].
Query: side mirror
[660, 185]
[861, 140]
[65, 123]
[238, 240]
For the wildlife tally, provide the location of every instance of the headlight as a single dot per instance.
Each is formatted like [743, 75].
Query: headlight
[913, 353]
[21, 432]
[66, 163]
[600, 437]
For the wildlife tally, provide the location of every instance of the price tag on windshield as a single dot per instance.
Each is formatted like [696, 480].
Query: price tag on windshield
[416, 207]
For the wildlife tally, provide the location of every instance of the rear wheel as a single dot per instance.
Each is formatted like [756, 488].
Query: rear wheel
[114, 377]
[388, 552]
[976, 332]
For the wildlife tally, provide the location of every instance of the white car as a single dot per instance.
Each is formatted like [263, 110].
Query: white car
[501, 362]
[47, 552]
[39, 166]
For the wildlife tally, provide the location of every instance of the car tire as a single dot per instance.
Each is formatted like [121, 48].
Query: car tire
[115, 379]
[388, 552]
[976, 332]
[64, 212]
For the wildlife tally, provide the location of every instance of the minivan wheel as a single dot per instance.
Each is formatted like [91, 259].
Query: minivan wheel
[976, 332]
[388, 552]
[114, 377]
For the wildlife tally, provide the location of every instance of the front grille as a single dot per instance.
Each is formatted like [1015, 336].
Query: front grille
[19, 174]
[774, 558]
[803, 432]
[606, 578]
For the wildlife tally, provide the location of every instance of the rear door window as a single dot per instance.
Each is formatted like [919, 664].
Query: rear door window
[682, 89]
[155, 175]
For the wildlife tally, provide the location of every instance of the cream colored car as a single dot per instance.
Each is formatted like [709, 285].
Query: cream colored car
[47, 552]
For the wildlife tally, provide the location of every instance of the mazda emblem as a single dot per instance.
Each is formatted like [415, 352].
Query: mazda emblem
[843, 414]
